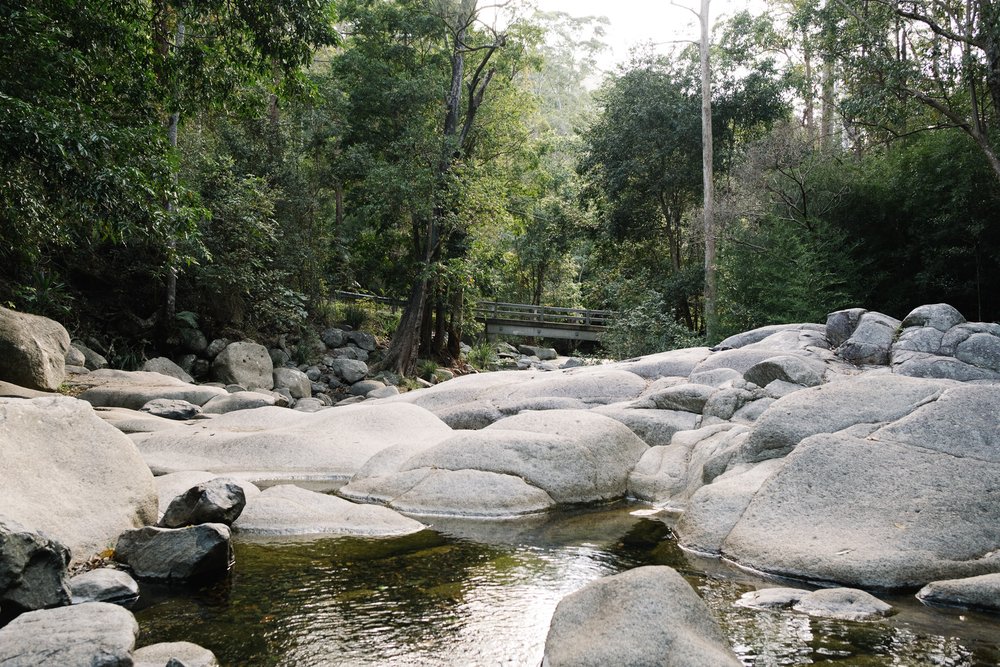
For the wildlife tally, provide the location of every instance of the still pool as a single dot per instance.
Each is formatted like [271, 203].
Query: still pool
[482, 593]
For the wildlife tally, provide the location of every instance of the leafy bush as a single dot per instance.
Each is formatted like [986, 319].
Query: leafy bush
[426, 368]
[646, 328]
[483, 356]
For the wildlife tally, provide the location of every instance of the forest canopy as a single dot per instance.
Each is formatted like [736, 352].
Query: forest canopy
[240, 161]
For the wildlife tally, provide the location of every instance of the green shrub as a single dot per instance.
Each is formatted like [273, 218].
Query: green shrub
[482, 356]
[426, 368]
[646, 328]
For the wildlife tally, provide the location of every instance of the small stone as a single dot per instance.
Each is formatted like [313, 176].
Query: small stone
[171, 409]
[218, 500]
[104, 584]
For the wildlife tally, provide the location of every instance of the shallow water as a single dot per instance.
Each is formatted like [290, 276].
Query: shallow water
[482, 593]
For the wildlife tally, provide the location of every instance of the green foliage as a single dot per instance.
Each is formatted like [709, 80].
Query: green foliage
[426, 369]
[646, 327]
[187, 319]
[46, 295]
[923, 215]
[772, 271]
[483, 356]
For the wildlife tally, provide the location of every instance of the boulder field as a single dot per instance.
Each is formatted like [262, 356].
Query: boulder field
[861, 452]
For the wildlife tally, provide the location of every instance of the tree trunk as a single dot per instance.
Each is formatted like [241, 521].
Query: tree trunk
[710, 316]
[401, 357]
[826, 130]
[170, 290]
[457, 302]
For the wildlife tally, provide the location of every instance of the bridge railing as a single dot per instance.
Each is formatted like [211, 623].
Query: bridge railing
[498, 312]
[520, 312]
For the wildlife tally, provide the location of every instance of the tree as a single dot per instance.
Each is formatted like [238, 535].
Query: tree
[708, 177]
[943, 57]
[460, 74]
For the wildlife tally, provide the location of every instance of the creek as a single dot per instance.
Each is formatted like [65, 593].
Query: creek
[483, 592]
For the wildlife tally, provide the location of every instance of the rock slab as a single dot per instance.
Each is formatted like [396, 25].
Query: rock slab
[32, 569]
[181, 554]
[32, 350]
[645, 616]
[68, 474]
[93, 634]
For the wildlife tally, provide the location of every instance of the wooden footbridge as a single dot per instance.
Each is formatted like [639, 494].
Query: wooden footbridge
[522, 319]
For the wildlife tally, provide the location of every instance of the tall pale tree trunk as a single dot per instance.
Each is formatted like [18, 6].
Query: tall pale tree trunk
[708, 177]
[170, 291]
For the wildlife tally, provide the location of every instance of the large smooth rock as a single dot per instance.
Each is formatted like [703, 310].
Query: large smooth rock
[32, 568]
[871, 341]
[655, 427]
[674, 363]
[982, 592]
[715, 508]
[840, 325]
[962, 422]
[133, 389]
[244, 363]
[32, 350]
[92, 359]
[174, 654]
[93, 634]
[573, 456]
[739, 340]
[787, 368]
[104, 584]
[645, 616]
[217, 500]
[981, 350]
[867, 399]
[543, 353]
[923, 365]
[165, 366]
[670, 475]
[683, 397]
[65, 472]
[940, 316]
[176, 554]
[328, 443]
[591, 385]
[238, 400]
[291, 510]
[873, 514]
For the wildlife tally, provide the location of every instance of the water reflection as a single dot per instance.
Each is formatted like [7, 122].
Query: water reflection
[482, 593]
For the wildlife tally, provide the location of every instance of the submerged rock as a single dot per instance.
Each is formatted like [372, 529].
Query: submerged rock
[846, 604]
[982, 592]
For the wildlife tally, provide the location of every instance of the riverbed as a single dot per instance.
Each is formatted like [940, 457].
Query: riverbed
[482, 593]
